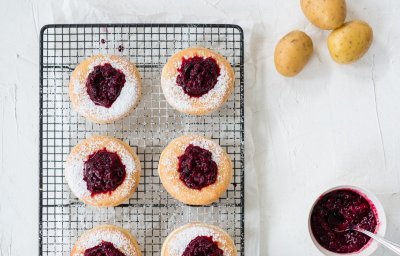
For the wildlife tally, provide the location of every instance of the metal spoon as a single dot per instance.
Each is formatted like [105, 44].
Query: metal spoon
[388, 244]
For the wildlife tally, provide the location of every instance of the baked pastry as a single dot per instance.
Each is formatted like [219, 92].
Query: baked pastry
[195, 170]
[105, 88]
[197, 81]
[102, 171]
[198, 239]
[106, 240]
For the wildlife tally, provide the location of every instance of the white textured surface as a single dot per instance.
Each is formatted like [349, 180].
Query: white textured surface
[330, 125]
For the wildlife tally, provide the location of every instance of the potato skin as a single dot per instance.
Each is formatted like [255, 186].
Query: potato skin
[325, 14]
[292, 53]
[350, 42]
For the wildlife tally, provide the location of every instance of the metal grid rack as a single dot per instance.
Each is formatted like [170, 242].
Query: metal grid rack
[151, 213]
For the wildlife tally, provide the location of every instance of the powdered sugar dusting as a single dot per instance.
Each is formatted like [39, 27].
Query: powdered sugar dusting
[117, 238]
[183, 237]
[177, 97]
[127, 99]
[211, 146]
[75, 164]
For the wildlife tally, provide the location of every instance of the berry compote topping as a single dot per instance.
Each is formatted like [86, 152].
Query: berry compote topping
[103, 249]
[103, 172]
[104, 84]
[203, 246]
[121, 48]
[196, 167]
[334, 213]
[198, 75]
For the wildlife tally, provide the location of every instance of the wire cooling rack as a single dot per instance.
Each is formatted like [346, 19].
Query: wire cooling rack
[151, 214]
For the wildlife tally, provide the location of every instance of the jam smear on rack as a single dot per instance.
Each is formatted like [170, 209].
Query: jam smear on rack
[334, 213]
[203, 246]
[103, 249]
[196, 167]
[103, 172]
[104, 84]
[198, 75]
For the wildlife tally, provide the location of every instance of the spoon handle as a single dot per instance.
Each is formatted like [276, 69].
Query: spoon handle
[388, 244]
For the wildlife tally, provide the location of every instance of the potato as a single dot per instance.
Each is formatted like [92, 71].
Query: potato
[292, 53]
[350, 42]
[325, 14]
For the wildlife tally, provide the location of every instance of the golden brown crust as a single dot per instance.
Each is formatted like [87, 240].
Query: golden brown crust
[81, 73]
[129, 185]
[224, 239]
[132, 246]
[197, 107]
[168, 165]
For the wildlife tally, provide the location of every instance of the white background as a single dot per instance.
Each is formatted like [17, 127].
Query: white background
[328, 126]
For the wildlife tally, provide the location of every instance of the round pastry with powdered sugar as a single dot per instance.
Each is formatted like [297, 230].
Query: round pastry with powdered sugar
[105, 88]
[106, 240]
[197, 81]
[195, 170]
[102, 171]
[198, 239]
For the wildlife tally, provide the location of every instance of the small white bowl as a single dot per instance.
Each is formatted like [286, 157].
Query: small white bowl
[372, 245]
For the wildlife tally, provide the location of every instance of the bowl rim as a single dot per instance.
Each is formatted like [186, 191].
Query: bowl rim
[372, 245]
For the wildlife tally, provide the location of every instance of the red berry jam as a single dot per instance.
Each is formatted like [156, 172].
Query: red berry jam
[103, 249]
[104, 84]
[103, 172]
[203, 246]
[196, 167]
[121, 48]
[337, 210]
[197, 76]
